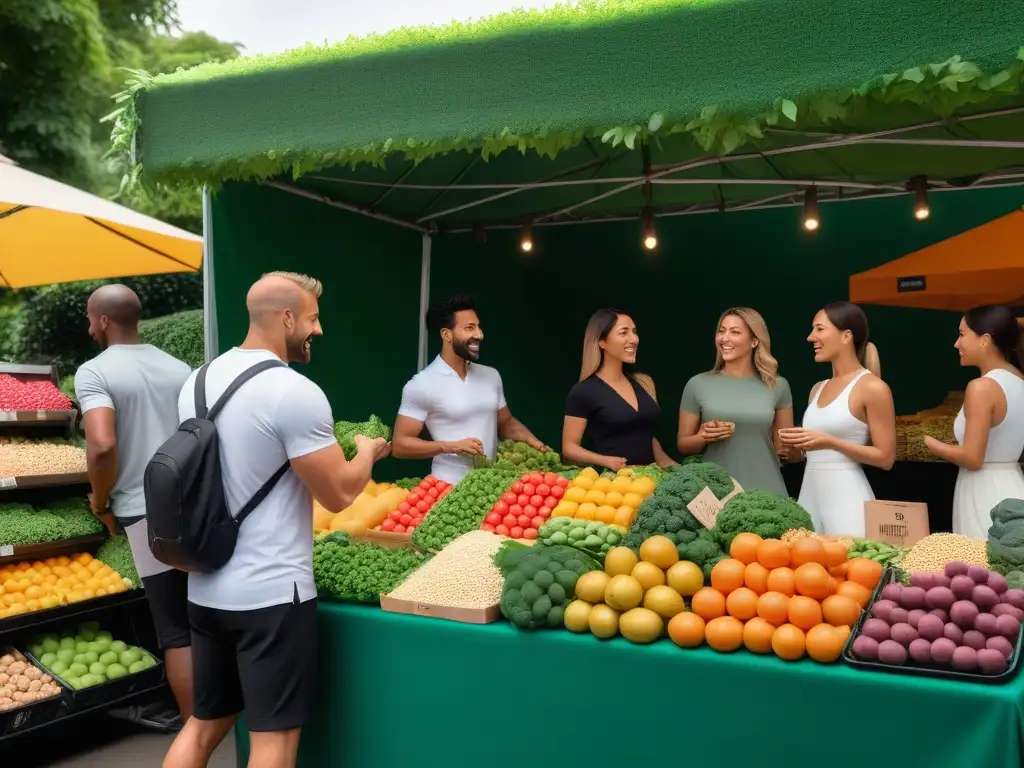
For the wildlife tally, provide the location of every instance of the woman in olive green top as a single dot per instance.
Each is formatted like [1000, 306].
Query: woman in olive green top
[734, 412]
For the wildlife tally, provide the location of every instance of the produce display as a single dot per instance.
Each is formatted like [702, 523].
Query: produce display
[350, 570]
[540, 582]
[760, 512]
[520, 457]
[462, 575]
[44, 584]
[408, 482]
[594, 538]
[368, 510]
[702, 549]
[932, 553]
[89, 656]
[1005, 547]
[345, 432]
[879, 551]
[116, 553]
[523, 509]
[409, 513]
[964, 617]
[794, 534]
[22, 682]
[614, 499]
[21, 458]
[22, 524]
[18, 395]
[935, 422]
[463, 509]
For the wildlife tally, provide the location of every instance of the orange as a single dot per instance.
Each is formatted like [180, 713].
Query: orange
[742, 603]
[744, 547]
[781, 580]
[806, 551]
[772, 553]
[840, 610]
[835, 554]
[724, 634]
[727, 575]
[708, 603]
[755, 577]
[839, 571]
[804, 612]
[788, 642]
[686, 630]
[824, 643]
[844, 632]
[857, 593]
[757, 635]
[865, 572]
[773, 607]
[812, 580]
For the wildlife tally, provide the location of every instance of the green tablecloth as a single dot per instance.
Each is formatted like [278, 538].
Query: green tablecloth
[402, 692]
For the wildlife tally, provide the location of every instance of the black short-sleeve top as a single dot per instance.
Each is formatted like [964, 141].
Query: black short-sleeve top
[614, 428]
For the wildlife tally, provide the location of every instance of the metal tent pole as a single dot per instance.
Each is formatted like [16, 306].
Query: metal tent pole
[211, 346]
[421, 361]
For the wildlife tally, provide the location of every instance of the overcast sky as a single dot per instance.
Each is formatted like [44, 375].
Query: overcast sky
[270, 26]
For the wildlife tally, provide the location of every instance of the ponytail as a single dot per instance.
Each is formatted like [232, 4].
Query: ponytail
[868, 357]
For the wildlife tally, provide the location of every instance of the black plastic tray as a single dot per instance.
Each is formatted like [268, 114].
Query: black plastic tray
[31, 715]
[911, 668]
[70, 611]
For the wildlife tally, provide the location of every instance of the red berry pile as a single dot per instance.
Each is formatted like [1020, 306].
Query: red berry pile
[411, 512]
[526, 506]
[31, 395]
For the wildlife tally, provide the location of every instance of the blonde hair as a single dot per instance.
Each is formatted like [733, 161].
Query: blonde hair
[766, 365]
[598, 328]
[305, 282]
[868, 357]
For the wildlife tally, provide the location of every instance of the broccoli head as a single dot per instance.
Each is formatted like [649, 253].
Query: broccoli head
[701, 550]
[1006, 536]
[542, 583]
[760, 512]
[1015, 579]
[345, 432]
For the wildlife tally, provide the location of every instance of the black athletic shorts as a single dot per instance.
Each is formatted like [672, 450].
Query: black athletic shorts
[263, 662]
[167, 594]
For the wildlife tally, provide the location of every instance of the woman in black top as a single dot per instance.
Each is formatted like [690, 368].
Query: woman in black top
[613, 405]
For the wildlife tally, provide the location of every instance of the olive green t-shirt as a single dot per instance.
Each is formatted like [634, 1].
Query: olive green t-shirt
[749, 454]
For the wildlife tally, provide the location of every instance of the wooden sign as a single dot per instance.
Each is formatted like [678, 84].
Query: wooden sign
[900, 523]
[706, 506]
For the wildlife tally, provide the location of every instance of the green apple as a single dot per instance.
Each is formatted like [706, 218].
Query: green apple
[50, 644]
[82, 647]
[149, 661]
[136, 667]
[130, 656]
[47, 659]
[66, 655]
[119, 646]
[88, 680]
[74, 682]
[115, 671]
[105, 636]
[97, 668]
[36, 650]
[91, 657]
[108, 658]
[77, 670]
[68, 642]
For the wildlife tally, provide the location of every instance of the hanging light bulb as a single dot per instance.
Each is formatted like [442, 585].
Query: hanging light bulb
[526, 239]
[811, 220]
[650, 236]
[921, 208]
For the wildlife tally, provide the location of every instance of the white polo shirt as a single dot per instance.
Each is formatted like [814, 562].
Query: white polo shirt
[453, 409]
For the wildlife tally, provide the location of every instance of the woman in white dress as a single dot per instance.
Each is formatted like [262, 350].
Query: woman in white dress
[990, 427]
[849, 421]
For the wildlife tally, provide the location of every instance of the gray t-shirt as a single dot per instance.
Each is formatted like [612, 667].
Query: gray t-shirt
[749, 454]
[277, 416]
[141, 384]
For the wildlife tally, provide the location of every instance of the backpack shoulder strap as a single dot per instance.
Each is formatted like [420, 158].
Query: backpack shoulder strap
[243, 377]
[261, 494]
[200, 392]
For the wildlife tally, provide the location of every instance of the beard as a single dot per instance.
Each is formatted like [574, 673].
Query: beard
[462, 349]
[298, 349]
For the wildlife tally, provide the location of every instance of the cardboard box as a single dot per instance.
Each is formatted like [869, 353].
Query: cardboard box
[706, 506]
[900, 523]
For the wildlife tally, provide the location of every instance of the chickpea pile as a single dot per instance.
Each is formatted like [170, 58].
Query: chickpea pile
[932, 553]
[795, 534]
[27, 459]
[462, 575]
[22, 683]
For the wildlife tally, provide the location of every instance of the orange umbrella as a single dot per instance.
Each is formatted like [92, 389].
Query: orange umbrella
[984, 265]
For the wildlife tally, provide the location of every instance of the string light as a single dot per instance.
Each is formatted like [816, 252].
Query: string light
[921, 208]
[811, 220]
[650, 236]
[526, 239]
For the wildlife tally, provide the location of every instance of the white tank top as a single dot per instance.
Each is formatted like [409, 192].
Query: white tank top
[1005, 441]
[835, 419]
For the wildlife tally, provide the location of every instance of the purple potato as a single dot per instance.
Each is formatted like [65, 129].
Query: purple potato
[891, 652]
[1001, 644]
[883, 609]
[922, 579]
[921, 651]
[974, 639]
[942, 651]
[865, 648]
[876, 629]
[898, 616]
[985, 597]
[892, 592]
[963, 613]
[1014, 597]
[940, 597]
[1008, 626]
[944, 615]
[941, 580]
[962, 587]
[912, 597]
[1009, 610]
[998, 583]
[930, 627]
[978, 573]
[952, 632]
[956, 568]
[915, 616]
[904, 634]
[991, 662]
[965, 659]
[986, 624]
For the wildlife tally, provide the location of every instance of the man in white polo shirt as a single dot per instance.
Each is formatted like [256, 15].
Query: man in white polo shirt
[460, 402]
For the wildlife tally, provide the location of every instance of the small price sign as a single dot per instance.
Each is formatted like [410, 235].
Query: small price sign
[6, 550]
[6, 483]
[900, 523]
[8, 416]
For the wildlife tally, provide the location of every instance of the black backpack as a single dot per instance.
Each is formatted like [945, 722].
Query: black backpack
[190, 527]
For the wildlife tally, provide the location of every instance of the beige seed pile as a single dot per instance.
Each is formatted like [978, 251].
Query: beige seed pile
[932, 553]
[795, 534]
[462, 575]
[23, 459]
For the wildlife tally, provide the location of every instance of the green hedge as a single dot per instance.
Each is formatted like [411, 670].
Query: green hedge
[180, 335]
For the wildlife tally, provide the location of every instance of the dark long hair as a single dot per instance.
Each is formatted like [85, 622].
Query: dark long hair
[849, 317]
[999, 324]
[599, 326]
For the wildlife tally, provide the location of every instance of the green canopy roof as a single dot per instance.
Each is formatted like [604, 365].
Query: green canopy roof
[597, 110]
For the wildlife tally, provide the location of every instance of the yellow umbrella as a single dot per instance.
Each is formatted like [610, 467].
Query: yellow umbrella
[53, 233]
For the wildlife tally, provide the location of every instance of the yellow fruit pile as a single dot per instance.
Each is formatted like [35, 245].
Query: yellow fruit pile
[614, 502]
[367, 510]
[27, 587]
[634, 596]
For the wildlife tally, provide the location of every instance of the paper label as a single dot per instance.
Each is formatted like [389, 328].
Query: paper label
[42, 414]
[899, 523]
[6, 483]
[706, 506]
[8, 416]
[6, 550]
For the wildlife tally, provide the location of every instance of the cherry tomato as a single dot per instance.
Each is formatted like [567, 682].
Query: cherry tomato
[523, 499]
[550, 478]
[530, 533]
[530, 511]
[400, 528]
[517, 487]
[536, 500]
[501, 529]
[509, 497]
[516, 533]
[510, 520]
[406, 519]
[523, 521]
[487, 527]
[417, 519]
[493, 518]
[500, 506]
[525, 478]
[550, 502]
[429, 481]
[445, 492]
[432, 493]
[538, 521]
[543, 489]
[563, 483]
[515, 509]
[422, 506]
[544, 512]
[529, 489]
[388, 525]
[397, 514]
[403, 507]
[557, 491]
[414, 496]
[536, 478]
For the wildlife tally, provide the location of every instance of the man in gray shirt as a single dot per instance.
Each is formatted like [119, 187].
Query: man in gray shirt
[129, 399]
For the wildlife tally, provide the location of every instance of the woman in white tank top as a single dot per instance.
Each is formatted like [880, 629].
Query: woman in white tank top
[990, 427]
[849, 421]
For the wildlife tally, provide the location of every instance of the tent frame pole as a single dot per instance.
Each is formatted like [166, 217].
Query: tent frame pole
[425, 255]
[210, 341]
